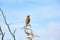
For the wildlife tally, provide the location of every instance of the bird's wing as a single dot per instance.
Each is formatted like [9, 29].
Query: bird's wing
[27, 20]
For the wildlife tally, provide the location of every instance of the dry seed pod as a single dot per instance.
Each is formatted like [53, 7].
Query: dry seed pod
[28, 33]
[29, 38]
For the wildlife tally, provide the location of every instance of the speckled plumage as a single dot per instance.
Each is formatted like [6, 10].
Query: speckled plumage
[27, 20]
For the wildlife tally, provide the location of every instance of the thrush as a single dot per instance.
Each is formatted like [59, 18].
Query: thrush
[27, 20]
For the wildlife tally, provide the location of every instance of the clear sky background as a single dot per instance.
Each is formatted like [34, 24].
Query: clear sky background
[44, 14]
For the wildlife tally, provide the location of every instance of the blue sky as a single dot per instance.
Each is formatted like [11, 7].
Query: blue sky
[44, 14]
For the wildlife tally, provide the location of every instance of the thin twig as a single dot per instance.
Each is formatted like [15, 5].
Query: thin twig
[14, 31]
[2, 33]
[7, 24]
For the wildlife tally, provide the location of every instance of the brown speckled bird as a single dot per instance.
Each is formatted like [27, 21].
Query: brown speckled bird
[27, 20]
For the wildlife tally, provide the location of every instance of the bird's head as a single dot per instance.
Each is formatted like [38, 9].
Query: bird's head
[28, 16]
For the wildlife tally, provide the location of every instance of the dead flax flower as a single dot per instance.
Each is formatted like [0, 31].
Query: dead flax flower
[29, 38]
[32, 34]
[26, 32]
